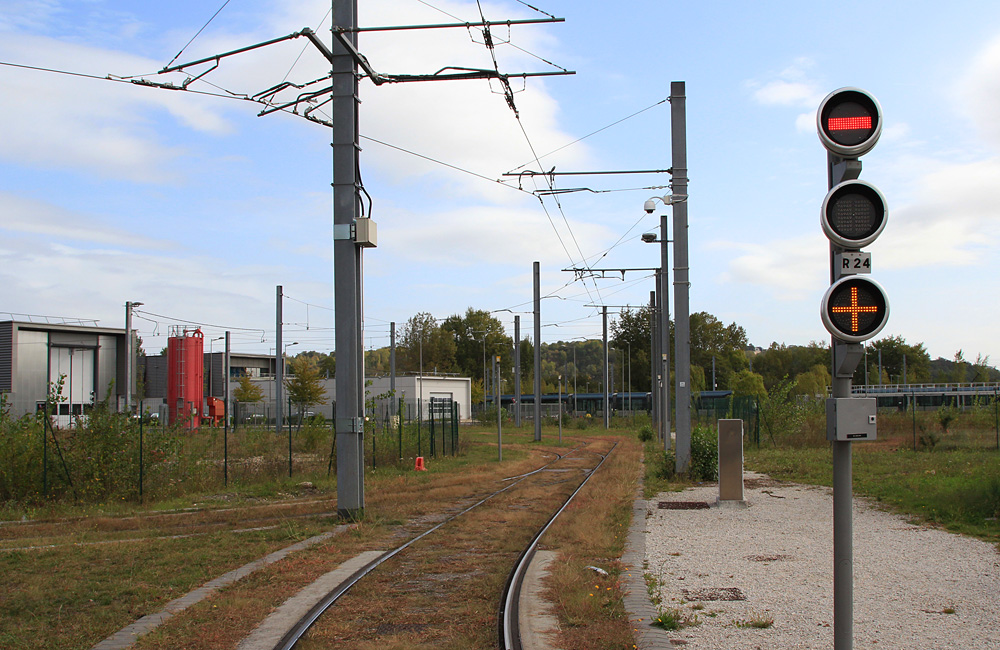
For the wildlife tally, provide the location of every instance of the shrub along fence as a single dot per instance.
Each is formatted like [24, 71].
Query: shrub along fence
[111, 456]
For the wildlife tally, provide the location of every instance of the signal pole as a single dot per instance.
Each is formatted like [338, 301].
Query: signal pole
[349, 425]
[853, 309]
[279, 361]
[682, 285]
[607, 405]
[517, 371]
[538, 351]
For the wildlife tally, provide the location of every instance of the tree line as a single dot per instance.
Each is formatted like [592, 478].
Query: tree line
[722, 358]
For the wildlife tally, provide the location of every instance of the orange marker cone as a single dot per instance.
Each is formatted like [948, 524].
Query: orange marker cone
[420, 465]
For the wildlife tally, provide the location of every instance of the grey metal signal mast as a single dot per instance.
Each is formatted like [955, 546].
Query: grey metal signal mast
[682, 284]
[347, 260]
[854, 308]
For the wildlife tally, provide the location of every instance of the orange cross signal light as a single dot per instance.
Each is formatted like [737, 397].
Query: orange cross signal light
[855, 309]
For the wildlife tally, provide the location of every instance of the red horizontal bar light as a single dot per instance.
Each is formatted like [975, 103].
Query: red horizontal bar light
[849, 123]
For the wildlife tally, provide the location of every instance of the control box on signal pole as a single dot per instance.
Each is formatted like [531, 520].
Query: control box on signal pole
[850, 418]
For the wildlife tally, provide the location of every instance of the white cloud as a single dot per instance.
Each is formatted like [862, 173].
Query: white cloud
[61, 278]
[979, 89]
[488, 235]
[15, 14]
[792, 86]
[952, 221]
[101, 128]
[806, 122]
[791, 269]
[23, 215]
[786, 93]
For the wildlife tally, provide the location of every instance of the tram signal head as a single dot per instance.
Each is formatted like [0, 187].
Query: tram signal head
[853, 214]
[854, 309]
[849, 122]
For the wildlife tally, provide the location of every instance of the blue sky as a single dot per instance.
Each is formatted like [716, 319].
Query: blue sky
[196, 207]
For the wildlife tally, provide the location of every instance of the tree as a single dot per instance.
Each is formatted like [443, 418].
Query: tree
[726, 344]
[981, 369]
[813, 383]
[746, 382]
[894, 350]
[631, 333]
[303, 386]
[471, 332]
[248, 392]
[423, 338]
[325, 363]
[780, 361]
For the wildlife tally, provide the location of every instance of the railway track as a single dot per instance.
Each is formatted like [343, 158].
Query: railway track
[452, 540]
[452, 583]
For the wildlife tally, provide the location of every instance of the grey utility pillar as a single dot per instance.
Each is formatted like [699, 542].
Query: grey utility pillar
[682, 322]
[349, 424]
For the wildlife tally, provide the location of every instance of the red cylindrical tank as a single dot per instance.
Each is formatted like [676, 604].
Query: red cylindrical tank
[185, 376]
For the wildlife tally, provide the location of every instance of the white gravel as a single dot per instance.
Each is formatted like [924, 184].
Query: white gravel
[779, 553]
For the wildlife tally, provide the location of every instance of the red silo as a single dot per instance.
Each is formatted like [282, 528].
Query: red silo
[185, 376]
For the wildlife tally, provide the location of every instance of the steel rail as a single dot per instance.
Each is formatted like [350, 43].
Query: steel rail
[507, 619]
[297, 631]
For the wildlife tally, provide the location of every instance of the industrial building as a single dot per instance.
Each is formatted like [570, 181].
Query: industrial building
[416, 391]
[89, 361]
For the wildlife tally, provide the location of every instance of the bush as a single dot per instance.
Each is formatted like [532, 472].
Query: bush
[645, 433]
[704, 454]
[666, 464]
[489, 415]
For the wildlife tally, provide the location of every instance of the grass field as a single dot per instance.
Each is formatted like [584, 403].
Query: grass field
[108, 563]
[957, 489]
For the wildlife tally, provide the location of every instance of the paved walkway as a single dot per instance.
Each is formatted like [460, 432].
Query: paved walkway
[637, 604]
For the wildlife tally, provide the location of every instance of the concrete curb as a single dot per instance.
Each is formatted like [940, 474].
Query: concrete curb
[127, 636]
[273, 628]
[640, 610]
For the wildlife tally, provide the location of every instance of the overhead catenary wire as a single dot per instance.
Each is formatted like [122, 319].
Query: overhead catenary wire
[203, 27]
[508, 93]
[592, 133]
[194, 322]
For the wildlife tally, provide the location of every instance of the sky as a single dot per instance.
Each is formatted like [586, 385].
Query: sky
[193, 205]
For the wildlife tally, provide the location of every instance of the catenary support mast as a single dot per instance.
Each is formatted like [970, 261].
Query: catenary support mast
[349, 424]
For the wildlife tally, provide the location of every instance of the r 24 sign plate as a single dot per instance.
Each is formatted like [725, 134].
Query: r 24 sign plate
[854, 263]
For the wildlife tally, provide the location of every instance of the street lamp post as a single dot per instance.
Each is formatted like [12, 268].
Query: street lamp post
[560, 409]
[663, 292]
[484, 333]
[129, 354]
[284, 353]
[211, 363]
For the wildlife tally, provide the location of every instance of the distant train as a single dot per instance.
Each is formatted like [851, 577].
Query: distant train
[581, 403]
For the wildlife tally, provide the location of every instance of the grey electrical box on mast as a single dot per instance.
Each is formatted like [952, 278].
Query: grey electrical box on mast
[850, 418]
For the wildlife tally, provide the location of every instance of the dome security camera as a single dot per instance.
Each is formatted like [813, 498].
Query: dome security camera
[649, 206]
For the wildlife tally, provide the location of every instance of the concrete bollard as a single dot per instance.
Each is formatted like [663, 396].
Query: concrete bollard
[731, 463]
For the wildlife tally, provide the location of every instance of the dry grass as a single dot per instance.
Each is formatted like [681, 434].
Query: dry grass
[592, 532]
[73, 597]
[442, 592]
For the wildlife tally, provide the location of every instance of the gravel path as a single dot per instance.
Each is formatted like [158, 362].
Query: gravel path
[914, 587]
